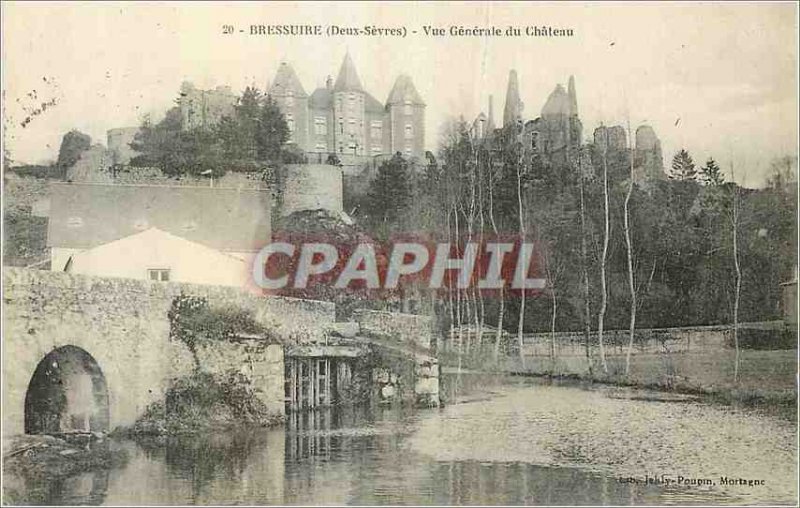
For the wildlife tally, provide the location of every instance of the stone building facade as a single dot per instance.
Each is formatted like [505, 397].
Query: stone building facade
[343, 118]
[203, 108]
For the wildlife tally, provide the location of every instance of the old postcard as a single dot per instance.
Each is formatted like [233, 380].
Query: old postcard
[399, 253]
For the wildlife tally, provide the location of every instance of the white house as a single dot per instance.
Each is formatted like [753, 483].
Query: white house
[200, 235]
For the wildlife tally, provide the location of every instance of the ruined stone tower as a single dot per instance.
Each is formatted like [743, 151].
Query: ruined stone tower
[512, 114]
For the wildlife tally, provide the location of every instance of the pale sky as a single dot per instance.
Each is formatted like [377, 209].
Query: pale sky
[717, 79]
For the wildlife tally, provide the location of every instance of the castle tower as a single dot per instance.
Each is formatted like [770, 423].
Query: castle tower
[292, 100]
[512, 114]
[349, 110]
[406, 120]
[575, 125]
[573, 97]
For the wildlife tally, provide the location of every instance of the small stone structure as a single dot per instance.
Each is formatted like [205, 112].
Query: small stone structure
[123, 325]
[312, 187]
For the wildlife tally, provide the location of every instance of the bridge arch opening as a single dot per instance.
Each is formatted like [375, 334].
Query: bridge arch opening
[67, 394]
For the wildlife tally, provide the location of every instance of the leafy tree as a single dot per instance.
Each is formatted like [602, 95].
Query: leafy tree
[273, 131]
[389, 194]
[254, 134]
[175, 151]
[73, 144]
[682, 166]
[711, 174]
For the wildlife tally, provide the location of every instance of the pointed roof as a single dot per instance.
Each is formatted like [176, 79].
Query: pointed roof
[404, 91]
[286, 80]
[557, 104]
[513, 110]
[347, 80]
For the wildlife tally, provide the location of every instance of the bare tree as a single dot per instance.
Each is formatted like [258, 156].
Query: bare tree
[584, 268]
[735, 224]
[629, 246]
[607, 222]
[521, 209]
[501, 310]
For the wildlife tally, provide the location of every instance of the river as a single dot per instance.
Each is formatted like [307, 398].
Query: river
[512, 441]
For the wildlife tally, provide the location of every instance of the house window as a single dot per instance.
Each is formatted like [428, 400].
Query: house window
[320, 147]
[289, 100]
[351, 128]
[409, 131]
[158, 274]
[375, 129]
[407, 108]
[320, 126]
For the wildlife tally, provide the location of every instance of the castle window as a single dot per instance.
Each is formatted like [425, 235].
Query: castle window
[320, 147]
[320, 126]
[376, 149]
[409, 131]
[290, 123]
[407, 108]
[534, 140]
[289, 100]
[375, 129]
[351, 126]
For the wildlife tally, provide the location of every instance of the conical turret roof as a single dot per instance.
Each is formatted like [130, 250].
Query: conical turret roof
[286, 80]
[347, 80]
[404, 91]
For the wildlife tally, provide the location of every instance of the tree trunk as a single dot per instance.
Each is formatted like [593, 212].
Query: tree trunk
[585, 269]
[501, 311]
[604, 296]
[629, 247]
[521, 320]
[738, 279]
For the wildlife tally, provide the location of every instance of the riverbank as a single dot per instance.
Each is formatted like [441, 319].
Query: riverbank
[766, 379]
[32, 462]
[780, 403]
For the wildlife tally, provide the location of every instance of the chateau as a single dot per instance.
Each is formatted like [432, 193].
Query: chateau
[343, 118]
[557, 134]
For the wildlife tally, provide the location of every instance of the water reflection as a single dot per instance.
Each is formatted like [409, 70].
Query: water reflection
[363, 456]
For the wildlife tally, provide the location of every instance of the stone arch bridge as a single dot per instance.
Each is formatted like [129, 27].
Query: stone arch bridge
[108, 340]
